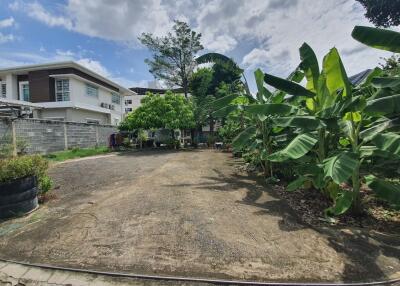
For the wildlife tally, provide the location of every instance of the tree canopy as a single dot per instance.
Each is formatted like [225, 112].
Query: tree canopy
[169, 111]
[173, 55]
[382, 13]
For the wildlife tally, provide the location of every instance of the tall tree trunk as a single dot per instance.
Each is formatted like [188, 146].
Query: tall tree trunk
[211, 125]
[185, 89]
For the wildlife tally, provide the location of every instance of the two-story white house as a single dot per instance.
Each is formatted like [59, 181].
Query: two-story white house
[65, 91]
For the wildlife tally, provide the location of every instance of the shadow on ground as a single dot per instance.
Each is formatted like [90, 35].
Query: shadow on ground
[361, 248]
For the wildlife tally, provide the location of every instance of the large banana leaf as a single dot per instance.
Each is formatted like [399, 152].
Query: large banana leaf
[224, 111]
[297, 148]
[371, 75]
[388, 142]
[384, 105]
[343, 202]
[269, 109]
[296, 184]
[244, 137]
[287, 86]
[296, 76]
[223, 101]
[336, 77]
[385, 82]
[377, 38]
[340, 167]
[384, 190]
[309, 64]
[303, 122]
[263, 94]
[313, 172]
[370, 133]
[373, 151]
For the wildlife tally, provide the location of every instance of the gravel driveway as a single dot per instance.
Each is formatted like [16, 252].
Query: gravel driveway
[187, 213]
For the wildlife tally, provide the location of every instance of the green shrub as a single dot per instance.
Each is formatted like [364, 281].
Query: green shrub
[6, 147]
[24, 166]
[75, 149]
[173, 143]
[45, 184]
[19, 167]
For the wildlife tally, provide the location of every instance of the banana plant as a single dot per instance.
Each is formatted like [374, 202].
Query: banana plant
[256, 115]
[325, 97]
[258, 135]
[367, 123]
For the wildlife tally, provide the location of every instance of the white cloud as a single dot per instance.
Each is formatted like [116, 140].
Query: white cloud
[256, 33]
[95, 66]
[67, 54]
[220, 44]
[8, 22]
[38, 12]
[6, 38]
[12, 59]
[256, 57]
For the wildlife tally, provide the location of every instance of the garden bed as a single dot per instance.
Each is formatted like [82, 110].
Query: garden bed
[310, 204]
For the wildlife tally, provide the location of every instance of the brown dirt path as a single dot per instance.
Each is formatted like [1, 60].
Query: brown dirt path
[187, 213]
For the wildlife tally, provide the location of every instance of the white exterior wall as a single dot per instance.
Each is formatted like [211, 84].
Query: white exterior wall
[78, 94]
[81, 115]
[135, 101]
[52, 113]
[82, 105]
[11, 86]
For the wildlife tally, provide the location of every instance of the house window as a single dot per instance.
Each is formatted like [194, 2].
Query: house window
[92, 90]
[128, 109]
[62, 89]
[24, 91]
[116, 98]
[3, 89]
[128, 101]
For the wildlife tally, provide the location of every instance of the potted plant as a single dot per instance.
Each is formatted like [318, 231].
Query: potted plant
[21, 180]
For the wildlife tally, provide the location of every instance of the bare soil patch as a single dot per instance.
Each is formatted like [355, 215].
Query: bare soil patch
[188, 213]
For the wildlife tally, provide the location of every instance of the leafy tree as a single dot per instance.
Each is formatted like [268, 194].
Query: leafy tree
[392, 65]
[382, 13]
[208, 84]
[169, 111]
[173, 55]
[226, 74]
[200, 82]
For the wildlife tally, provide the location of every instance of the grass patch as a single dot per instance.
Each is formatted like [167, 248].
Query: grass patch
[76, 153]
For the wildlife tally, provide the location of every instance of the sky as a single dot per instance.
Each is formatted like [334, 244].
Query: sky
[102, 34]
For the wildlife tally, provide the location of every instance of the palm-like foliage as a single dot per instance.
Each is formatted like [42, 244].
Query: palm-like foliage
[329, 123]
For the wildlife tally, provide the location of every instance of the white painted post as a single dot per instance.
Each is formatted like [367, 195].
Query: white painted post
[14, 139]
[65, 137]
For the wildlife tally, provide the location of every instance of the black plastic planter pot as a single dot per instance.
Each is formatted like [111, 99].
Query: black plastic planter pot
[18, 197]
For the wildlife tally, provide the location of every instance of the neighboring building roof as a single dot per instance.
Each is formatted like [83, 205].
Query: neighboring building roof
[55, 65]
[358, 78]
[143, 90]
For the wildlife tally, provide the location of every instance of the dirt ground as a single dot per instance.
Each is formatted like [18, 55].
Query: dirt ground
[187, 213]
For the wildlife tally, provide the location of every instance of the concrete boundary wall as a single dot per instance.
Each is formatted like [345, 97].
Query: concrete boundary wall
[46, 136]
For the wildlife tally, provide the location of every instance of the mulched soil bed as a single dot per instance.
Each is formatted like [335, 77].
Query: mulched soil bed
[310, 205]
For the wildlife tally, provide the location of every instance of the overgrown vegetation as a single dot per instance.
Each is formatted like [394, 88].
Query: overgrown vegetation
[329, 134]
[19, 167]
[76, 153]
[170, 111]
